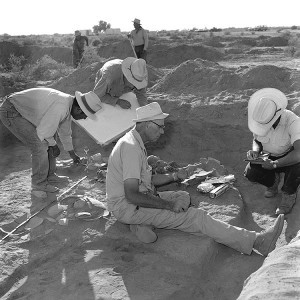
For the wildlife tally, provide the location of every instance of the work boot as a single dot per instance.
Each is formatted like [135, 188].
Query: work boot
[54, 179]
[273, 190]
[266, 241]
[144, 233]
[286, 204]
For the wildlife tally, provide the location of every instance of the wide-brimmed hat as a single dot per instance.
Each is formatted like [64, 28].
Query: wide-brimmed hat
[135, 71]
[89, 103]
[149, 112]
[264, 108]
[137, 21]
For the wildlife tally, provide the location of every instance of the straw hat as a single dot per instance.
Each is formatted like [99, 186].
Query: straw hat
[89, 103]
[137, 21]
[264, 108]
[135, 71]
[149, 112]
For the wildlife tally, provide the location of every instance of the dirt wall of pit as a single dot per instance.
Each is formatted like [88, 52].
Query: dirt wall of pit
[281, 272]
[32, 52]
[162, 55]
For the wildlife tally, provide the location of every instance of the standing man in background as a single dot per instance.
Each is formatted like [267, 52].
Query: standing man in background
[140, 39]
[78, 47]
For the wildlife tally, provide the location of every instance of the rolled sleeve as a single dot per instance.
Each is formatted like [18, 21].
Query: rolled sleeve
[65, 134]
[141, 96]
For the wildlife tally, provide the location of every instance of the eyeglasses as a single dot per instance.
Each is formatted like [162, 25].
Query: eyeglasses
[160, 126]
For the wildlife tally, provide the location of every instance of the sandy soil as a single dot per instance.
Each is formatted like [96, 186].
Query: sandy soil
[101, 259]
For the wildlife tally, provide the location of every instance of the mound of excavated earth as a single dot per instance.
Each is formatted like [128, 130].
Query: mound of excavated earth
[162, 55]
[200, 77]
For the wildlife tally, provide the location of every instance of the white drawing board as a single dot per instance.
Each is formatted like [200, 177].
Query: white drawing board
[112, 121]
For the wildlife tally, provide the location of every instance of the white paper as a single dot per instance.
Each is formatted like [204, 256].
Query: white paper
[112, 121]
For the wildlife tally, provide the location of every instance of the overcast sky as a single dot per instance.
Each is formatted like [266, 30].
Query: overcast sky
[24, 17]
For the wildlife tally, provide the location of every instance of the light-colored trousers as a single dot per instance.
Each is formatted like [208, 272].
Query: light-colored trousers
[194, 221]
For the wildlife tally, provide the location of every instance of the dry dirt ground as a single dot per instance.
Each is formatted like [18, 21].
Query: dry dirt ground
[206, 98]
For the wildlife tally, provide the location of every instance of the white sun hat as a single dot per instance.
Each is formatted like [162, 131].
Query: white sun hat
[264, 108]
[89, 103]
[149, 112]
[135, 71]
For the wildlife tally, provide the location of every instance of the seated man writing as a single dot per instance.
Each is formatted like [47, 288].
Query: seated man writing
[132, 198]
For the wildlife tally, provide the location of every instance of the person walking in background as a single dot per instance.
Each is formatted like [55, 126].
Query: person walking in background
[140, 39]
[117, 77]
[78, 47]
[276, 133]
[133, 199]
[34, 116]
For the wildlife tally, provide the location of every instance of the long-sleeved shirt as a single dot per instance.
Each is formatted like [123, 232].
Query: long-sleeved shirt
[110, 84]
[140, 37]
[79, 42]
[49, 110]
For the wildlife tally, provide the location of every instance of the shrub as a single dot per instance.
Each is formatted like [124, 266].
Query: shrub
[90, 56]
[96, 43]
[46, 68]
[29, 41]
[15, 63]
[294, 27]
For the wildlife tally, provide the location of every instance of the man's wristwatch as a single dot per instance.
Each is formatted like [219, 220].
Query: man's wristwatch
[275, 163]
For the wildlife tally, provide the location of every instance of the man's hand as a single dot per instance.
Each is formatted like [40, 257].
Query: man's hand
[251, 154]
[75, 157]
[54, 151]
[179, 205]
[124, 103]
[268, 164]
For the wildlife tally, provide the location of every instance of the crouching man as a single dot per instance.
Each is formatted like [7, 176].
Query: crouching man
[34, 116]
[276, 132]
[132, 198]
